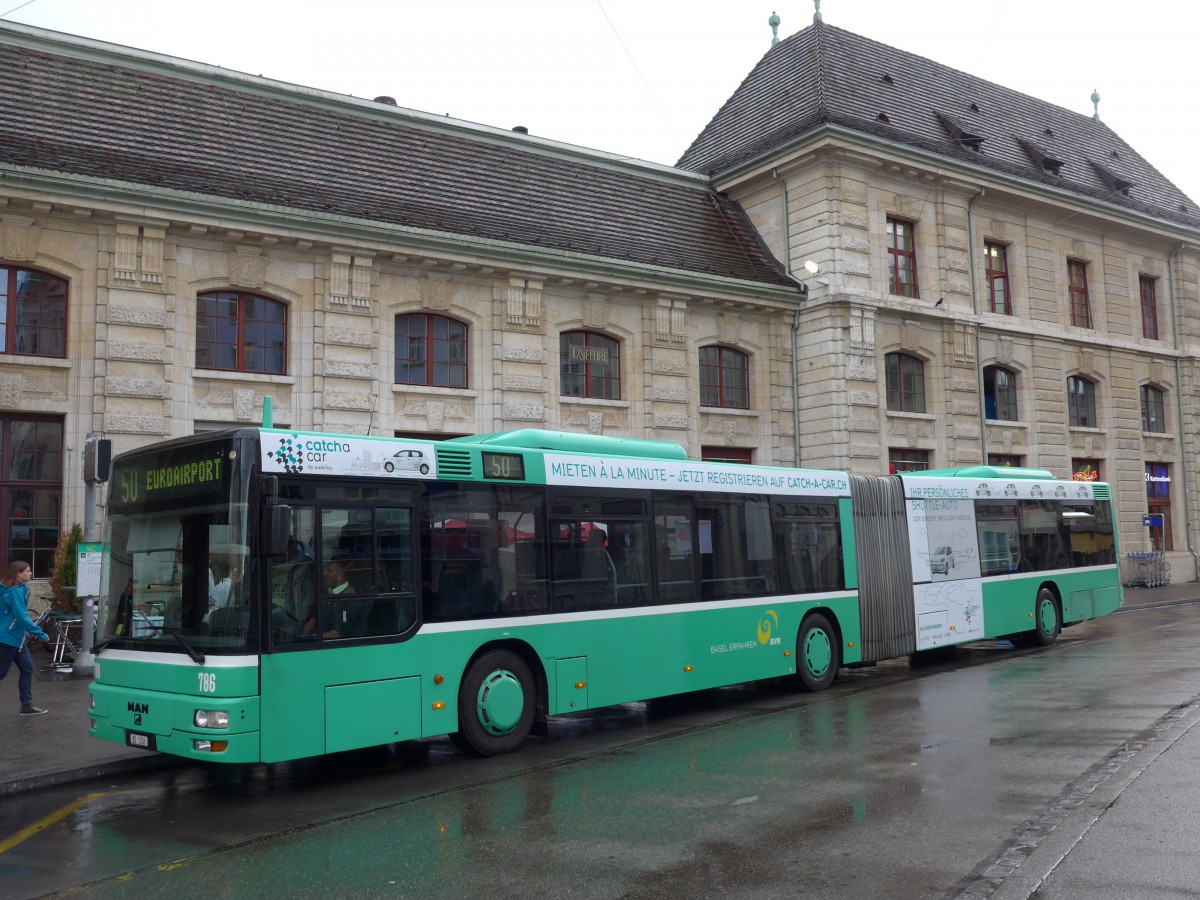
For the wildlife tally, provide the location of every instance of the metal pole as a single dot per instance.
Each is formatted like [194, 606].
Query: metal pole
[85, 661]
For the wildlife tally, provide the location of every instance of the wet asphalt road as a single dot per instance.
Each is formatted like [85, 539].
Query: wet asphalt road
[896, 783]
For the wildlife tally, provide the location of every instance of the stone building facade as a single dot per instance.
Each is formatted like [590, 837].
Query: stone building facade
[219, 238]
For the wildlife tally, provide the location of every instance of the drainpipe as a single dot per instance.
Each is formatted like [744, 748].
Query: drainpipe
[975, 310]
[787, 261]
[1187, 510]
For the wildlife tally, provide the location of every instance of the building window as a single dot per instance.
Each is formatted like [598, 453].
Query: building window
[905, 383]
[34, 306]
[1004, 461]
[31, 453]
[902, 258]
[431, 350]
[1081, 402]
[1085, 470]
[997, 278]
[724, 378]
[907, 461]
[1149, 307]
[1000, 393]
[1158, 503]
[1153, 410]
[740, 455]
[240, 332]
[1081, 309]
[589, 365]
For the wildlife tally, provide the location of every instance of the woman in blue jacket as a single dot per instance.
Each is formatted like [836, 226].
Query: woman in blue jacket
[14, 625]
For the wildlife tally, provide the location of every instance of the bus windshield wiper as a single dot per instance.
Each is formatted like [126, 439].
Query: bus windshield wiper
[195, 654]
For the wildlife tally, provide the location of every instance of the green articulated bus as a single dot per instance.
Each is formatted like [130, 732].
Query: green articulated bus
[272, 594]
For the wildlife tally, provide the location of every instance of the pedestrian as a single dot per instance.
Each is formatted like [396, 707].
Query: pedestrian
[14, 625]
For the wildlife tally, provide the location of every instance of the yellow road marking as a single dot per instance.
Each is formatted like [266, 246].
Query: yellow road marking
[46, 821]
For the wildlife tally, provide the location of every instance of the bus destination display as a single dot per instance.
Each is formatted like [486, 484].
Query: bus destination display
[504, 466]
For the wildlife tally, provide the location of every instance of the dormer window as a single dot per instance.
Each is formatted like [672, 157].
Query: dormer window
[1112, 180]
[883, 117]
[965, 138]
[886, 79]
[1040, 157]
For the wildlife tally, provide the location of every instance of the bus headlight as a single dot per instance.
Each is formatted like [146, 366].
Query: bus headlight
[212, 718]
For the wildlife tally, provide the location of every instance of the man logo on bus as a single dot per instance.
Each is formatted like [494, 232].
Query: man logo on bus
[767, 624]
[287, 456]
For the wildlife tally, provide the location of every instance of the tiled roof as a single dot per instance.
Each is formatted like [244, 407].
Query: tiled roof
[827, 76]
[102, 114]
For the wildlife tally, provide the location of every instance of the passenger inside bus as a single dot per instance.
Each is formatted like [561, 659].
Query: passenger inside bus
[341, 618]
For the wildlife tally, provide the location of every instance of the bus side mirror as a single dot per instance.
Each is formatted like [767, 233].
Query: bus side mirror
[276, 528]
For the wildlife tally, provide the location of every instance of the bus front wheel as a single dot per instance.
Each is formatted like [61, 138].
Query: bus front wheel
[817, 651]
[495, 704]
[1047, 622]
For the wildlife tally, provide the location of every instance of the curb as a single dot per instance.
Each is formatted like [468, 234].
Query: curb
[1159, 604]
[108, 769]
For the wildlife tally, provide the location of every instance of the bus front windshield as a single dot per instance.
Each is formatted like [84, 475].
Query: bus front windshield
[178, 582]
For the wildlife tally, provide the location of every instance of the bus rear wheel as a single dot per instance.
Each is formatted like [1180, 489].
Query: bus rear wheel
[817, 650]
[1047, 621]
[495, 704]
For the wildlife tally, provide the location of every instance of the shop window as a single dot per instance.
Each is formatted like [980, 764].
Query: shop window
[589, 365]
[1158, 503]
[31, 454]
[900, 461]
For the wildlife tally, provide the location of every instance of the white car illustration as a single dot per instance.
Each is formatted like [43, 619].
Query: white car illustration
[941, 561]
[406, 459]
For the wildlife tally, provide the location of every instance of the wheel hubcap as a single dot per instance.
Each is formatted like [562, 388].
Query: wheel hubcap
[500, 702]
[818, 653]
[1048, 617]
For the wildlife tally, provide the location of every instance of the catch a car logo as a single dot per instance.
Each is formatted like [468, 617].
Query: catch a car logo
[288, 456]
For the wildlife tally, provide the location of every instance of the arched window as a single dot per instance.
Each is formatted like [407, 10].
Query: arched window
[724, 378]
[1081, 402]
[240, 332]
[589, 365]
[905, 383]
[1000, 393]
[431, 350]
[1154, 418]
[34, 306]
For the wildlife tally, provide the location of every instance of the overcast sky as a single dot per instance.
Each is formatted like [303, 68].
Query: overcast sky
[643, 77]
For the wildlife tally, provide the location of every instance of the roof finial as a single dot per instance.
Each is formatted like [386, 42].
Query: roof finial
[817, 14]
[1096, 104]
[774, 23]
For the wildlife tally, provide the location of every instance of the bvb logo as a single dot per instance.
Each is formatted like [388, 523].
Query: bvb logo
[768, 623]
[287, 456]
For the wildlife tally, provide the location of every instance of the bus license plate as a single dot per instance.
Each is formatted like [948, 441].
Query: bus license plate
[143, 741]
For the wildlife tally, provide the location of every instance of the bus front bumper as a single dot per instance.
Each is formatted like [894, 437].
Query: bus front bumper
[167, 723]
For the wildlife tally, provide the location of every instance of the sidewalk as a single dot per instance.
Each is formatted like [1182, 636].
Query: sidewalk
[39, 751]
